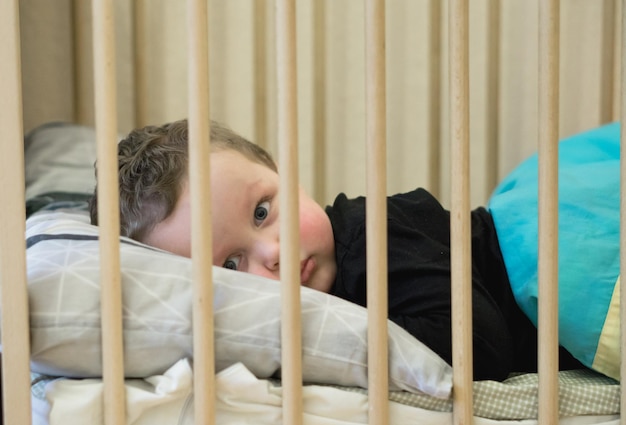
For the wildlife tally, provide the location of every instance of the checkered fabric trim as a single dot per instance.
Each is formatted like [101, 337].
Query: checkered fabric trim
[581, 392]
[38, 385]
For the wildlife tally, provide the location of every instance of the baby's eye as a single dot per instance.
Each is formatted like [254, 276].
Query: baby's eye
[231, 263]
[261, 212]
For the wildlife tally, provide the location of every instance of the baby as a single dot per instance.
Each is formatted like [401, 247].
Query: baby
[155, 209]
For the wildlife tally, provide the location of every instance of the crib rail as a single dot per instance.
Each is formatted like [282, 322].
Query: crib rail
[460, 244]
[108, 212]
[376, 219]
[548, 210]
[14, 297]
[199, 181]
[15, 329]
[291, 328]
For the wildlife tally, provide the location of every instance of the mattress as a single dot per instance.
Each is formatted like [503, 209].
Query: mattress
[586, 397]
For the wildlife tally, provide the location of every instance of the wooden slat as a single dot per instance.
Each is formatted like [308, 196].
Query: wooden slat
[15, 329]
[548, 210]
[199, 188]
[108, 211]
[376, 217]
[291, 328]
[460, 213]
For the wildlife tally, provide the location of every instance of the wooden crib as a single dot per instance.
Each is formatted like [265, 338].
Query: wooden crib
[449, 116]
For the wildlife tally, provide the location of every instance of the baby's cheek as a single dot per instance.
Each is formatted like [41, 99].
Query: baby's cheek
[314, 225]
[307, 231]
[315, 230]
[307, 226]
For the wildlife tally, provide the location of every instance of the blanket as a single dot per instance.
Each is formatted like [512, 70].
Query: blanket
[588, 260]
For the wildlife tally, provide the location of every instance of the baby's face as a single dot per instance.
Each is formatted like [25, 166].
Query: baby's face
[245, 210]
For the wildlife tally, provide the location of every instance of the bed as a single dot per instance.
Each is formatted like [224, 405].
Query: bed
[62, 255]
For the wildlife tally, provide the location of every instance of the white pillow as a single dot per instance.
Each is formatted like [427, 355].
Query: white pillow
[63, 280]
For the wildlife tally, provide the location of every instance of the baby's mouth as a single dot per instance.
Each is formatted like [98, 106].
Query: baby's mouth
[306, 269]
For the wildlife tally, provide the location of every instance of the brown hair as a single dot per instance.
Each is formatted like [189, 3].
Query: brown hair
[153, 165]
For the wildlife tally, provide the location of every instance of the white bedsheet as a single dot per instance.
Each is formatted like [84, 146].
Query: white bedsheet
[242, 399]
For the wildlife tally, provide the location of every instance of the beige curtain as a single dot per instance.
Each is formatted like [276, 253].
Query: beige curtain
[151, 63]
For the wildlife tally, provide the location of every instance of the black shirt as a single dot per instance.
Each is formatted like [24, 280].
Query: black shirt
[504, 340]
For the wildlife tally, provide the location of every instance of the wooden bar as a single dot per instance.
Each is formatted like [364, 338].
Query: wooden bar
[108, 212]
[14, 295]
[199, 189]
[376, 217]
[291, 328]
[548, 211]
[460, 224]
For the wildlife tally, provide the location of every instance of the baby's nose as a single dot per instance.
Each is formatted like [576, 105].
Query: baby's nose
[266, 258]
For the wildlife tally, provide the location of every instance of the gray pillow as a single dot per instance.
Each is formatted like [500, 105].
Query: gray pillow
[63, 281]
[59, 157]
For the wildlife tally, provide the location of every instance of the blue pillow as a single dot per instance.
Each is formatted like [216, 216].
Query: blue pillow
[589, 178]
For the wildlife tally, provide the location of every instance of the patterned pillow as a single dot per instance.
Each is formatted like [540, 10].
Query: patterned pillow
[63, 279]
